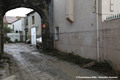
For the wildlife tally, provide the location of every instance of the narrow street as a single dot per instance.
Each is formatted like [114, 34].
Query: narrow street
[33, 65]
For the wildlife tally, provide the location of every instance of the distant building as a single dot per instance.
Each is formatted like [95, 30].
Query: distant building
[8, 20]
[18, 26]
[33, 26]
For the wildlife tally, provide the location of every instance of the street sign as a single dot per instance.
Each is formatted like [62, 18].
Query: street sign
[44, 25]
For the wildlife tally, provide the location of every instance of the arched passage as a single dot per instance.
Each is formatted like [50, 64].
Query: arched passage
[40, 6]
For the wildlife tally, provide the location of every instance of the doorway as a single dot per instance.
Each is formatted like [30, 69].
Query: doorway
[33, 36]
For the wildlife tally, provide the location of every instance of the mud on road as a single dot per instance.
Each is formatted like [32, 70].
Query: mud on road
[33, 65]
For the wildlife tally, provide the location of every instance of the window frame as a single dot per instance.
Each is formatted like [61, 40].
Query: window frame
[56, 33]
[33, 19]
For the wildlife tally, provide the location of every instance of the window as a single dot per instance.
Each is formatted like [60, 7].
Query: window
[33, 20]
[56, 33]
[13, 27]
[26, 21]
[111, 5]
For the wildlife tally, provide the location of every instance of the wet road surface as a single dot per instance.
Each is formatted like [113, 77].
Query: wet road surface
[33, 65]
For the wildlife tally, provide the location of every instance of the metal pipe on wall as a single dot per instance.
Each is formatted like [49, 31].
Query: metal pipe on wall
[97, 25]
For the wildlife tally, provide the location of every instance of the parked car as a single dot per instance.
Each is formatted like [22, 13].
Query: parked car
[39, 43]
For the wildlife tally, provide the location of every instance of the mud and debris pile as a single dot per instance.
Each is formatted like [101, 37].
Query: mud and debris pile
[101, 67]
[4, 66]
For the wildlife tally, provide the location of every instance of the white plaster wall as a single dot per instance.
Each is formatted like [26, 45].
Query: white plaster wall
[14, 36]
[106, 8]
[18, 25]
[78, 37]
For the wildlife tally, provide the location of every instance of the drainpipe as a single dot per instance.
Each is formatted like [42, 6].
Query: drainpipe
[97, 25]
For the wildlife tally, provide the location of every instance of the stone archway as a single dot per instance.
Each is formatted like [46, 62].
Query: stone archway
[41, 6]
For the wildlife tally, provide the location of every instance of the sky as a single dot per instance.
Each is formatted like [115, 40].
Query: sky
[18, 12]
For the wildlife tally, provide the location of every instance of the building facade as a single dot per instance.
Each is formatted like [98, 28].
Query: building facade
[110, 9]
[8, 20]
[76, 26]
[18, 26]
[79, 29]
[33, 26]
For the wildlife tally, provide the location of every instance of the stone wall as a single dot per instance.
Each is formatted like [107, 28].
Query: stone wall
[41, 6]
[110, 42]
